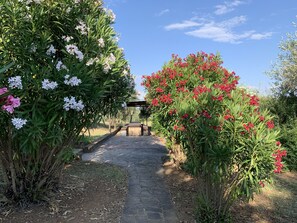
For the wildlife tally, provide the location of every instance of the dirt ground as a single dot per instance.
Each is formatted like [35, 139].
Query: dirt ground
[276, 204]
[89, 192]
[92, 192]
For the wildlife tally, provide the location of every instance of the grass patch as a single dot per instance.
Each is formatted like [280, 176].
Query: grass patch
[105, 172]
[93, 134]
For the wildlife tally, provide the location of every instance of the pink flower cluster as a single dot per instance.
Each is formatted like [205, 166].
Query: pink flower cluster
[10, 102]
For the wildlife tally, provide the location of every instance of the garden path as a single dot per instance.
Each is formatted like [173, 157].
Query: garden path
[148, 200]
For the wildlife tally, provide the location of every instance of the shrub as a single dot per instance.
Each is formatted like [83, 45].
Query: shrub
[68, 72]
[284, 109]
[228, 141]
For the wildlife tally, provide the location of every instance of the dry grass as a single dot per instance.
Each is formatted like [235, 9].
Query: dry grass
[276, 204]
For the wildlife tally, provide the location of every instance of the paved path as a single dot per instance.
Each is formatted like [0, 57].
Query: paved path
[148, 201]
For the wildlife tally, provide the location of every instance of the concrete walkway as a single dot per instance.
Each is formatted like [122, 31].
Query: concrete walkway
[148, 201]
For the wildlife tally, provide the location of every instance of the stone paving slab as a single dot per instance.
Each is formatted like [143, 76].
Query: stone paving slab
[148, 201]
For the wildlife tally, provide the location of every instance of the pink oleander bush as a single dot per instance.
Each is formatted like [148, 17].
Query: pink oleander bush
[229, 142]
[68, 72]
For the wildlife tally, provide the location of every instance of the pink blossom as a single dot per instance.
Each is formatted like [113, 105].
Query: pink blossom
[14, 102]
[3, 90]
[8, 108]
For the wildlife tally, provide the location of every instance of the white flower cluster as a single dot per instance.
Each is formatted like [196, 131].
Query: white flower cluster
[30, 1]
[73, 81]
[67, 38]
[125, 72]
[61, 66]
[107, 65]
[18, 122]
[92, 61]
[116, 39]
[49, 85]
[101, 42]
[68, 9]
[73, 50]
[71, 103]
[82, 27]
[15, 82]
[110, 14]
[51, 50]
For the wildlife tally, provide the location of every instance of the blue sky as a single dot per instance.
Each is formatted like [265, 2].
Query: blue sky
[246, 33]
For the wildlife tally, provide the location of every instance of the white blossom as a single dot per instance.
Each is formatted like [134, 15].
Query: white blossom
[49, 85]
[92, 61]
[61, 66]
[71, 103]
[18, 122]
[51, 50]
[101, 42]
[68, 9]
[33, 48]
[125, 72]
[116, 39]
[124, 105]
[106, 67]
[15, 82]
[73, 50]
[73, 81]
[110, 14]
[30, 1]
[111, 58]
[82, 27]
[67, 38]
[79, 55]
[77, 1]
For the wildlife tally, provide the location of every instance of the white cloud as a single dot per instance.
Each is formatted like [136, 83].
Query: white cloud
[163, 12]
[233, 22]
[259, 36]
[225, 31]
[182, 25]
[227, 7]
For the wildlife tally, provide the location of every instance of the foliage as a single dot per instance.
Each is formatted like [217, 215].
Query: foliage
[144, 113]
[284, 71]
[228, 141]
[285, 110]
[289, 139]
[284, 101]
[68, 73]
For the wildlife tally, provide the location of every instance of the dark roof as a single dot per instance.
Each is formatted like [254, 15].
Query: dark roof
[137, 104]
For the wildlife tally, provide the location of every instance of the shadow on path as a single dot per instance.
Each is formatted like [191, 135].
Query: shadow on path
[148, 200]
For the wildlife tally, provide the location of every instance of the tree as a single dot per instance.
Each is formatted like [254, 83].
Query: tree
[68, 73]
[284, 71]
[284, 101]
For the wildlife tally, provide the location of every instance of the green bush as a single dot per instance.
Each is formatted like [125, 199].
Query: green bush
[289, 140]
[229, 142]
[68, 73]
[284, 107]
